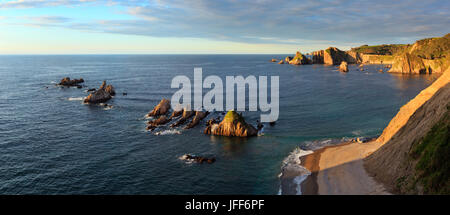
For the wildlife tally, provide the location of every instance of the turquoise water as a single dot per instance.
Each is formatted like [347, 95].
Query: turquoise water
[51, 143]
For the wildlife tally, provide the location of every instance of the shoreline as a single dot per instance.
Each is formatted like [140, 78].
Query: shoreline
[338, 169]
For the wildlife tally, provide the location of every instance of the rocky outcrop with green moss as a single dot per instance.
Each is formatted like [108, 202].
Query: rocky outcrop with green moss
[299, 59]
[233, 124]
[426, 56]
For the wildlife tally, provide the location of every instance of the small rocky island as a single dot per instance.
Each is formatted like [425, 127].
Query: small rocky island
[103, 94]
[67, 82]
[233, 124]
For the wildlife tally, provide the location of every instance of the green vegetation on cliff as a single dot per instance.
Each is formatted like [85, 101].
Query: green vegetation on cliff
[380, 49]
[433, 155]
[432, 48]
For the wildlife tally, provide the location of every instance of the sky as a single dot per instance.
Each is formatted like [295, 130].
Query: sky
[213, 26]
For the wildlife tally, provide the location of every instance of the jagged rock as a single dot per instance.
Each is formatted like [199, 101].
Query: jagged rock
[157, 122]
[233, 124]
[176, 113]
[91, 90]
[99, 96]
[198, 159]
[281, 62]
[71, 83]
[343, 67]
[199, 115]
[162, 108]
[287, 59]
[274, 60]
[334, 56]
[317, 57]
[299, 59]
[187, 113]
[425, 56]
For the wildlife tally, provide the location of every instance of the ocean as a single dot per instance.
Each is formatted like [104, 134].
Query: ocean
[51, 143]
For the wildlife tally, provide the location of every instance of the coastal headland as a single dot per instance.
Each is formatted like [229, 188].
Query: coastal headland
[410, 156]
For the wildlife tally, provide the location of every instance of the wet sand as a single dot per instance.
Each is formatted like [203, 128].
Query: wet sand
[339, 170]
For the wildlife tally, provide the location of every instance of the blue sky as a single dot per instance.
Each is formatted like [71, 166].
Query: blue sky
[202, 26]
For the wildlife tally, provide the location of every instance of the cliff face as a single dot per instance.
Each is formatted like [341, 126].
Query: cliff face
[426, 56]
[395, 163]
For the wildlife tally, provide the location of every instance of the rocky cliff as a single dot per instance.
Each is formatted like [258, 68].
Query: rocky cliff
[426, 56]
[414, 157]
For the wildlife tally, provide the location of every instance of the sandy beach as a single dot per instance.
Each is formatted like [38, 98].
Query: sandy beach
[339, 170]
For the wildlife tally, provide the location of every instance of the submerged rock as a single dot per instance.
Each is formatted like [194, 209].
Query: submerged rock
[160, 109]
[101, 95]
[71, 83]
[233, 124]
[198, 159]
[199, 115]
[343, 67]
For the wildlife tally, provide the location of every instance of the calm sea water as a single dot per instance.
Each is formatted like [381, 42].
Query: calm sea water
[50, 143]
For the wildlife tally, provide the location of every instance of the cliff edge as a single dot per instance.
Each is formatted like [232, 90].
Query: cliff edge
[414, 156]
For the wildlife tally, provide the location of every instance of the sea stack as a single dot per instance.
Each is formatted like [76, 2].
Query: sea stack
[233, 124]
[103, 94]
[343, 67]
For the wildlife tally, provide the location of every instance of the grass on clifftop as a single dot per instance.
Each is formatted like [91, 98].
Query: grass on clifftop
[433, 152]
[380, 49]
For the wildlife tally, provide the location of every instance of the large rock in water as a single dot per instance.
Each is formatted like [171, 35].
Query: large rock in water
[162, 108]
[299, 59]
[233, 124]
[70, 83]
[343, 67]
[334, 56]
[103, 94]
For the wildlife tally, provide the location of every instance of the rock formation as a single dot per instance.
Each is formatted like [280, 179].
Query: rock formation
[343, 67]
[161, 109]
[317, 57]
[151, 125]
[187, 113]
[281, 62]
[426, 56]
[334, 56]
[273, 60]
[71, 83]
[199, 115]
[299, 59]
[101, 95]
[233, 124]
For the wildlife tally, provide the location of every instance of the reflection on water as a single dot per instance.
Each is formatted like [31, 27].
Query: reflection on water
[403, 81]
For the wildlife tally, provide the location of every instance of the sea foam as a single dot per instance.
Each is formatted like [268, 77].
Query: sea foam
[292, 166]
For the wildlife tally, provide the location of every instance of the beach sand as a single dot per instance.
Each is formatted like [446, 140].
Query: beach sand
[339, 169]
